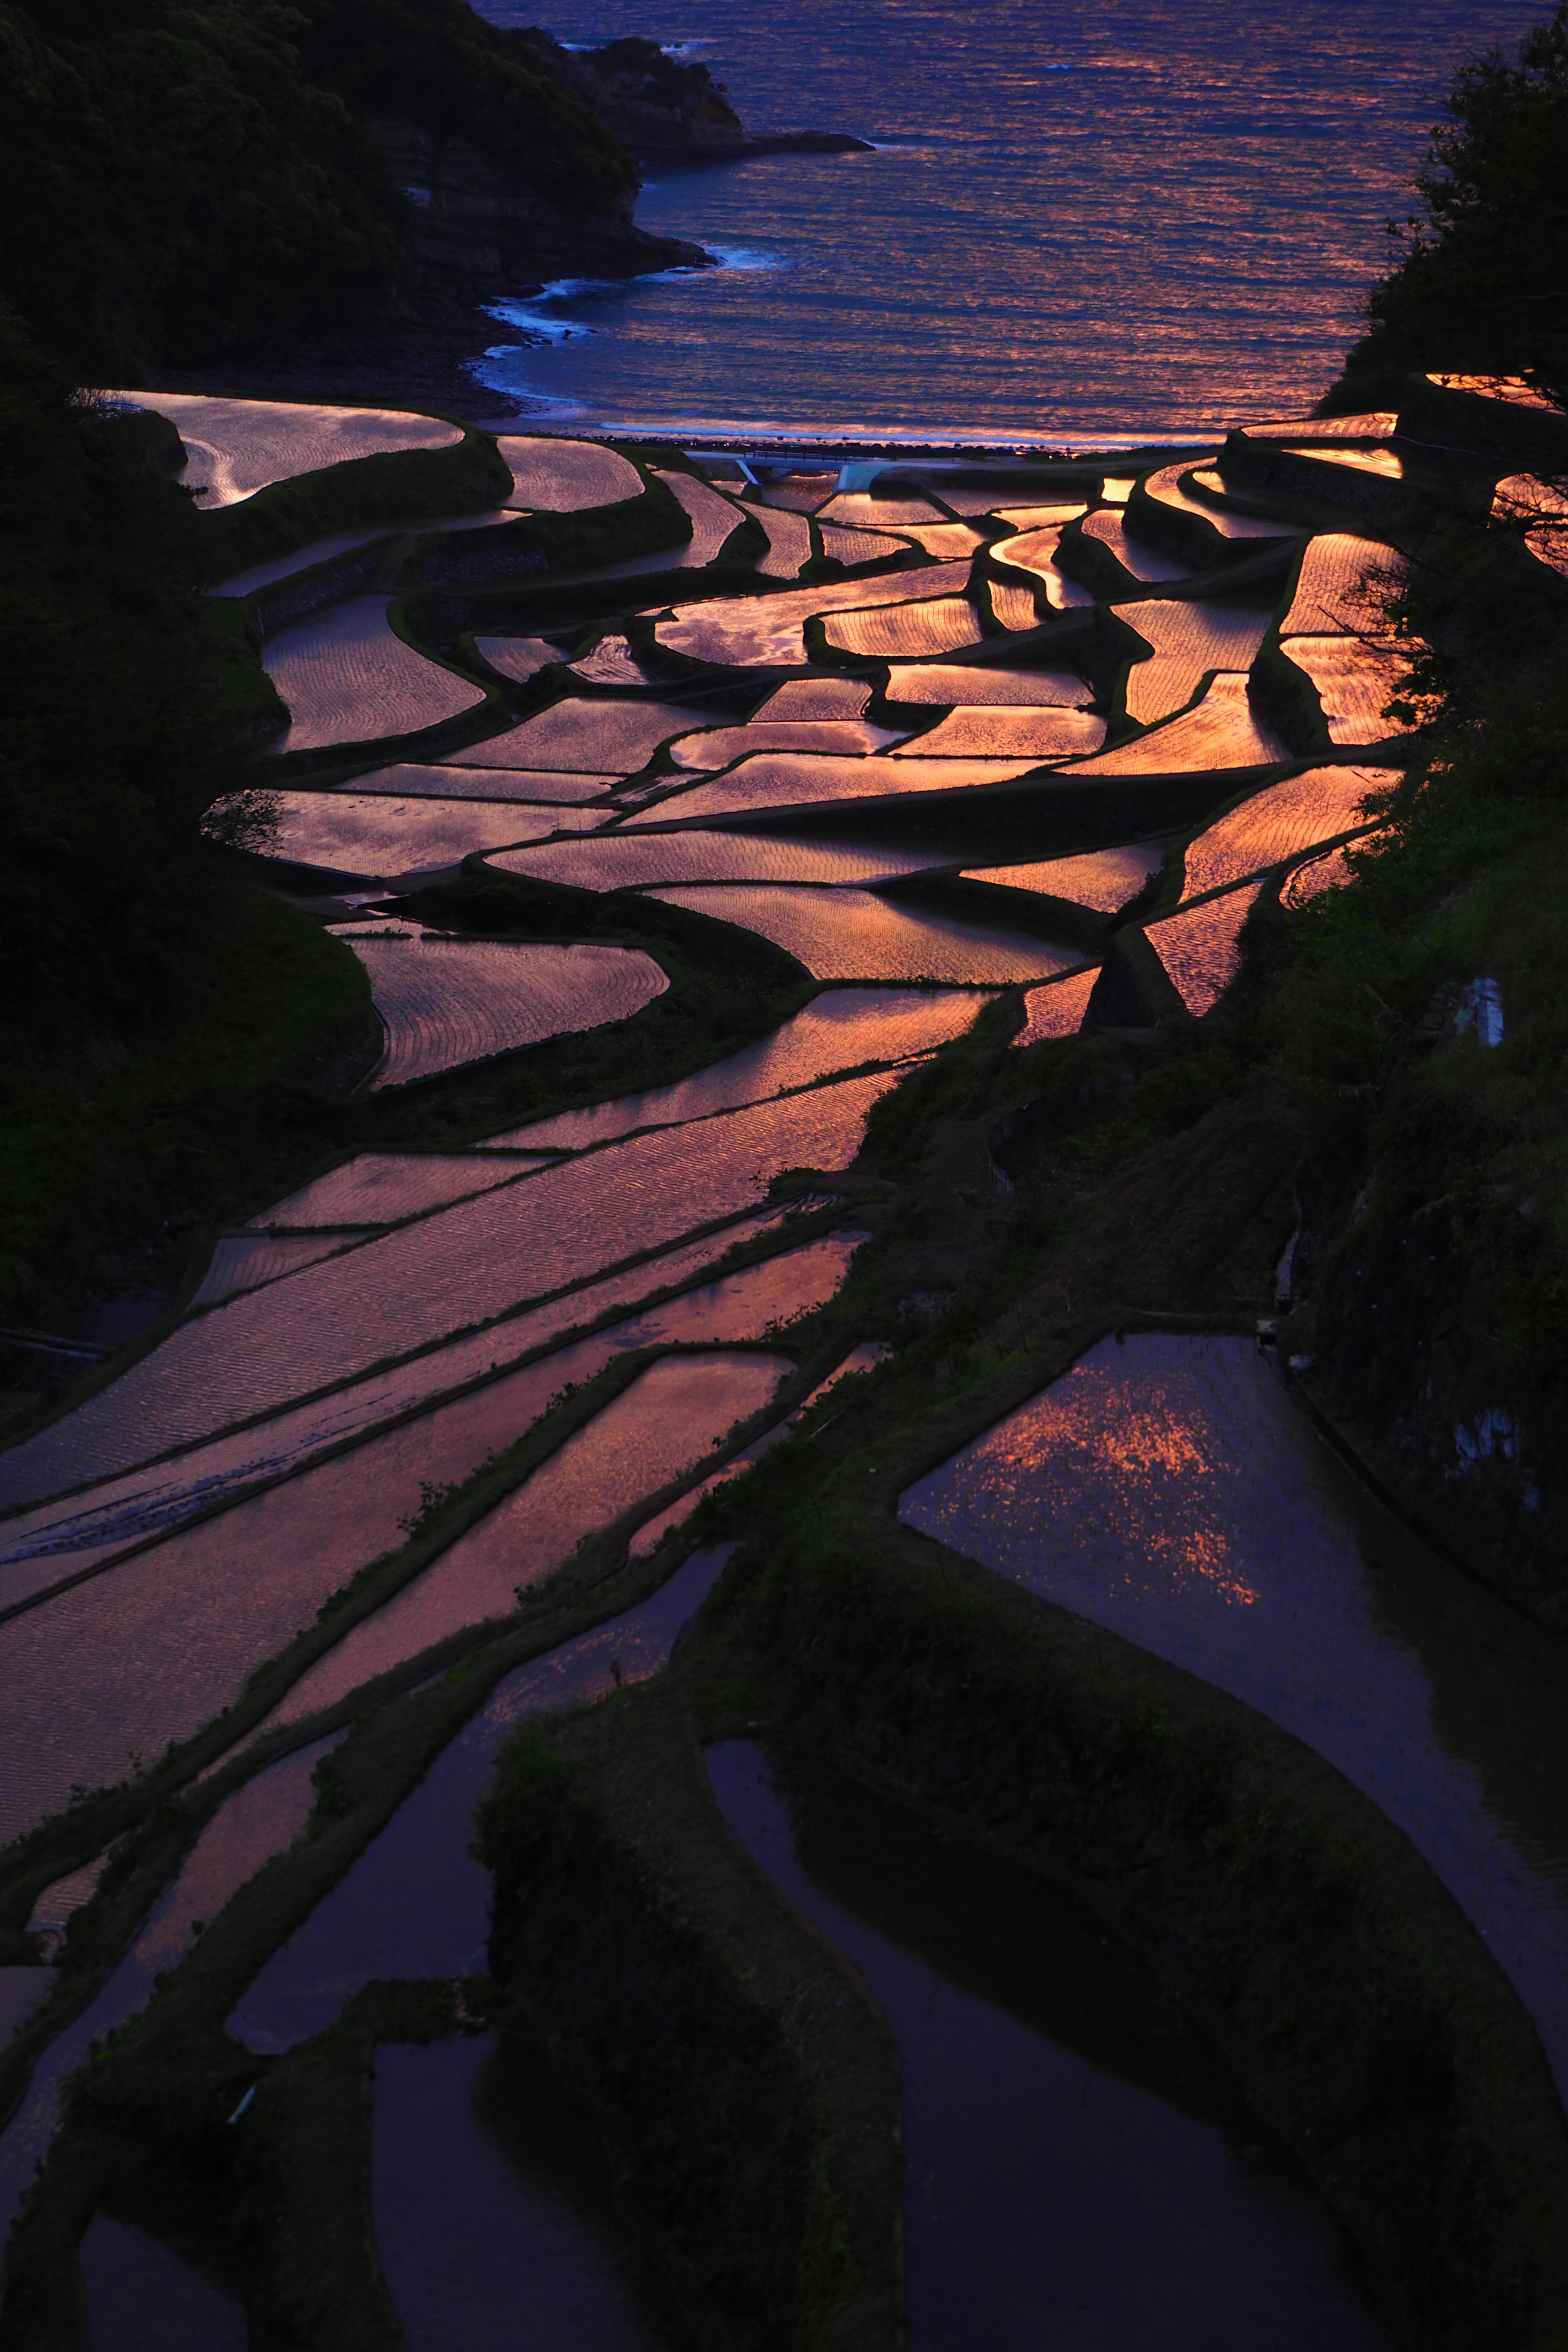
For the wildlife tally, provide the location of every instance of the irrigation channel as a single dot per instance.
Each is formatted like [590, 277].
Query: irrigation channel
[442, 1442]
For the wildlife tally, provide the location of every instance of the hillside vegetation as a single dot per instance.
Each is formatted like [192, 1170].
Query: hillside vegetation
[187, 180]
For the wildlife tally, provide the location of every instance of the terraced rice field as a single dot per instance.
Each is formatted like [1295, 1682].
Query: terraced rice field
[245, 1261]
[1367, 425]
[865, 511]
[1057, 1010]
[713, 516]
[1103, 880]
[380, 1188]
[1541, 509]
[566, 477]
[934, 625]
[580, 735]
[789, 541]
[765, 631]
[1039, 517]
[1354, 681]
[944, 538]
[772, 780]
[992, 730]
[1189, 640]
[1013, 605]
[387, 1908]
[799, 493]
[1386, 462]
[612, 663]
[464, 1265]
[842, 1029]
[625, 860]
[1165, 1489]
[1315, 874]
[815, 698]
[1201, 947]
[715, 747]
[849, 934]
[452, 781]
[950, 683]
[1167, 486]
[672, 1415]
[1036, 551]
[1341, 585]
[1279, 824]
[348, 679]
[445, 1002]
[236, 447]
[852, 547]
[1139, 556]
[380, 833]
[1223, 730]
[516, 658]
[205, 1605]
[57, 1539]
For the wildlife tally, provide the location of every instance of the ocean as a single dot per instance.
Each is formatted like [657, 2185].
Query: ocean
[1080, 220]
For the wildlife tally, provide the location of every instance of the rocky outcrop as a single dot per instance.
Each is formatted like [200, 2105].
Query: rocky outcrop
[656, 105]
[481, 230]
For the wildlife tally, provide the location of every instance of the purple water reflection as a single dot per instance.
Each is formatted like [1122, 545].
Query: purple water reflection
[1166, 1488]
[479, 2256]
[416, 1904]
[1050, 2200]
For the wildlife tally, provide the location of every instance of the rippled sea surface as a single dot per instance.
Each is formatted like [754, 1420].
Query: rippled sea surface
[1144, 218]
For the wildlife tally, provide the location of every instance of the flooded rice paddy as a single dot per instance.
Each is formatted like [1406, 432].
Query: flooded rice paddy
[556, 476]
[89, 1523]
[627, 860]
[1188, 642]
[1341, 585]
[1354, 682]
[347, 677]
[1103, 880]
[1201, 947]
[417, 1903]
[387, 835]
[247, 1828]
[463, 1265]
[583, 735]
[1079, 2169]
[1167, 1488]
[471, 2234]
[444, 1000]
[1223, 730]
[841, 1029]
[245, 1261]
[1279, 824]
[802, 780]
[838, 934]
[235, 448]
[382, 1188]
[140, 2295]
[671, 1417]
[115, 1666]
[391, 1325]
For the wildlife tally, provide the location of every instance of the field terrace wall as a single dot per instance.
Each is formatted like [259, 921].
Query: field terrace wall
[1370, 2024]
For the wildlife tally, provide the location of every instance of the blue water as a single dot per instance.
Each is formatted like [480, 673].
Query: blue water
[1082, 219]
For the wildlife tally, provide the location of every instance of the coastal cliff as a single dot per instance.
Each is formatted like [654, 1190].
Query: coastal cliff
[662, 106]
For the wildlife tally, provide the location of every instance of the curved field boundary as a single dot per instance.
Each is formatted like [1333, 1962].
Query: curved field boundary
[403, 486]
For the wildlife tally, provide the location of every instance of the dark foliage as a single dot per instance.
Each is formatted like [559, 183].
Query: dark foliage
[1481, 283]
[181, 182]
[123, 714]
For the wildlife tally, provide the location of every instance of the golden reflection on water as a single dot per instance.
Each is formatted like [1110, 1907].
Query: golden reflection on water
[1149, 1471]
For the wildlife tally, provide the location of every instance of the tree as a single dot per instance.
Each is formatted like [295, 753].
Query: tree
[1480, 285]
